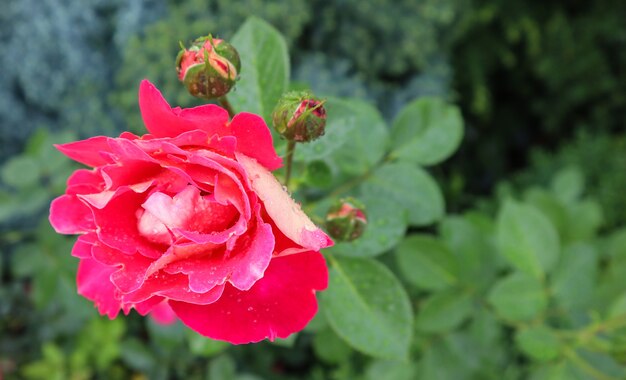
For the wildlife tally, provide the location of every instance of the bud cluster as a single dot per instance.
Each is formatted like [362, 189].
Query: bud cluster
[346, 220]
[299, 116]
[209, 67]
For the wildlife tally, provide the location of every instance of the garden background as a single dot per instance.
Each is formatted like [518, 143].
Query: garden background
[541, 87]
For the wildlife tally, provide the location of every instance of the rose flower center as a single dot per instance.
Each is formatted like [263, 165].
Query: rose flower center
[161, 217]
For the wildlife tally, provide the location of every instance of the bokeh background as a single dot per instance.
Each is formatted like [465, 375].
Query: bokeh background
[541, 86]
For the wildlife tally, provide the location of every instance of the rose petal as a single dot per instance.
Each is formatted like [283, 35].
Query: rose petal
[84, 181]
[94, 284]
[163, 121]
[144, 307]
[129, 270]
[287, 215]
[82, 247]
[190, 211]
[163, 314]
[279, 304]
[68, 215]
[118, 225]
[172, 286]
[242, 267]
[88, 151]
[255, 140]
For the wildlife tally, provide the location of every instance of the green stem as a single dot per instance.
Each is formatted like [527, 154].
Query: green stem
[226, 104]
[291, 148]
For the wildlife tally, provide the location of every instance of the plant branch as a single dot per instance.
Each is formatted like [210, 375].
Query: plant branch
[291, 148]
[226, 104]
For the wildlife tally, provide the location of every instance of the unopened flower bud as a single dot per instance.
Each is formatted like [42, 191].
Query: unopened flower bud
[299, 116]
[209, 68]
[346, 220]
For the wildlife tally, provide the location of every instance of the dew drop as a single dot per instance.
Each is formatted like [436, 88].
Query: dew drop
[250, 308]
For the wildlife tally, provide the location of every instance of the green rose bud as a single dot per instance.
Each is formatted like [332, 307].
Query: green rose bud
[209, 68]
[346, 220]
[299, 116]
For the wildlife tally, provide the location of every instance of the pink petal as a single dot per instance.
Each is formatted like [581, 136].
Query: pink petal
[172, 286]
[163, 121]
[94, 284]
[84, 181]
[286, 214]
[163, 314]
[279, 304]
[82, 247]
[190, 211]
[129, 271]
[255, 140]
[88, 151]
[68, 215]
[129, 173]
[118, 225]
[146, 306]
[242, 267]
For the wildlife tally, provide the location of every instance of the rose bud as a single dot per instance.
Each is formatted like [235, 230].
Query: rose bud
[299, 116]
[209, 68]
[346, 220]
[188, 222]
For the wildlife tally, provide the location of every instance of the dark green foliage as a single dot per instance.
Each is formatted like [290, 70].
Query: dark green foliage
[384, 39]
[601, 159]
[533, 73]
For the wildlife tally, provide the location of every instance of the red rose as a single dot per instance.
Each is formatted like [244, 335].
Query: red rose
[190, 216]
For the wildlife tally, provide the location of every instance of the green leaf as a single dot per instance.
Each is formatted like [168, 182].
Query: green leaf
[356, 137]
[472, 250]
[367, 306]
[551, 207]
[442, 362]
[264, 68]
[485, 333]
[426, 262]
[518, 297]
[539, 343]
[426, 131]
[329, 348]
[318, 174]
[137, 355]
[203, 346]
[386, 224]
[411, 187]
[390, 370]
[286, 342]
[584, 220]
[618, 307]
[222, 367]
[563, 370]
[568, 184]
[353, 126]
[527, 239]
[20, 172]
[574, 278]
[443, 311]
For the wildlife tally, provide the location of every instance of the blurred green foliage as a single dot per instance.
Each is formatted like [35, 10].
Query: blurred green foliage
[525, 284]
[601, 159]
[533, 74]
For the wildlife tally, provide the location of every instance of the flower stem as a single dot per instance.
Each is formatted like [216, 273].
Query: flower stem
[226, 104]
[291, 148]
